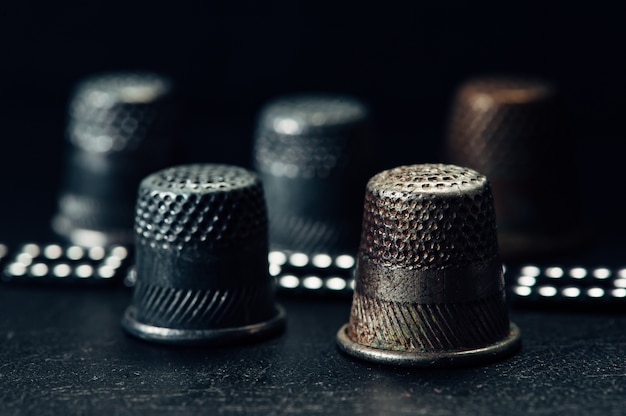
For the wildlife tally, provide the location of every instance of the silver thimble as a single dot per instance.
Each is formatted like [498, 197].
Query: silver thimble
[201, 258]
[513, 130]
[314, 154]
[429, 284]
[120, 127]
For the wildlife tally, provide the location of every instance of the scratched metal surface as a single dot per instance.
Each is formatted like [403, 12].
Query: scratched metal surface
[63, 352]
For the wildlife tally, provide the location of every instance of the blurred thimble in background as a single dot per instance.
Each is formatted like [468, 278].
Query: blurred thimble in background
[513, 130]
[201, 258]
[120, 127]
[429, 284]
[314, 154]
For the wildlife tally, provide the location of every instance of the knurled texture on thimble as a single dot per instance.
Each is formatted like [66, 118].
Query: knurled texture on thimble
[304, 234]
[308, 136]
[201, 242]
[428, 276]
[428, 217]
[114, 113]
[404, 326]
[314, 153]
[504, 126]
[200, 308]
[192, 205]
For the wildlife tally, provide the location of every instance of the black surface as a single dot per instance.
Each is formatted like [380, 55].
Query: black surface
[62, 351]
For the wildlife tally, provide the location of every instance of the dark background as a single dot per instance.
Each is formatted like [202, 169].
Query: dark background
[229, 58]
[62, 351]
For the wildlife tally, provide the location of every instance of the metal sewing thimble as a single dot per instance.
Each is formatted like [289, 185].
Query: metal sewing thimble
[429, 285]
[120, 127]
[513, 130]
[201, 258]
[314, 156]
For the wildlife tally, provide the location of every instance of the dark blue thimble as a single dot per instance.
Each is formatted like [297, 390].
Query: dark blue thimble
[314, 154]
[201, 258]
[121, 126]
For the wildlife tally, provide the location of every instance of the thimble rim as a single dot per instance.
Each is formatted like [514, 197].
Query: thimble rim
[444, 359]
[505, 89]
[207, 337]
[127, 87]
[451, 180]
[273, 117]
[157, 181]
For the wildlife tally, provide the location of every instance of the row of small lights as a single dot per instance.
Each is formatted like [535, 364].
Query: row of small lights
[278, 259]
[527, 282]
[322, 261]
[26, 261]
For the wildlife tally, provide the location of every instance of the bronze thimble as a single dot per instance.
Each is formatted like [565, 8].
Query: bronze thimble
[514, 131]
[429, 283]
[201, 258]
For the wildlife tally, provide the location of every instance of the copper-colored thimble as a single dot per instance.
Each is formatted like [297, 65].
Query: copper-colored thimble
[513, 130]
[429, 284]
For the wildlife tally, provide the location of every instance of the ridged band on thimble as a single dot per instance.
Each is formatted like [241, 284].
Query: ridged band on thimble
[429, 285]
[201, 258]
[513, 130]
[313, 153]
[121, 126]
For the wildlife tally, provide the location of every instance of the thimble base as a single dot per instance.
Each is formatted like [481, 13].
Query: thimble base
[499, 350]
[90, 238]
[209, 337]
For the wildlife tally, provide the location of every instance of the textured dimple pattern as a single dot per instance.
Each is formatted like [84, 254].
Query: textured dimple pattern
[200, 204]
[299, 156]
[116, 112]
[504, 127]
[309, 136]
[428, 217]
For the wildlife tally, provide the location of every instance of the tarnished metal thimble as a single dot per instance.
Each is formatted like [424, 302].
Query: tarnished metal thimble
[513, 130]
[120, 128]
[429, 285]
[201, 258]
[314, 156]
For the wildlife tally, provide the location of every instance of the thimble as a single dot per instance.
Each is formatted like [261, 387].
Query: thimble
[513, 130]
[313, 153]
[429, 288]
[201, 258]
[120, 128]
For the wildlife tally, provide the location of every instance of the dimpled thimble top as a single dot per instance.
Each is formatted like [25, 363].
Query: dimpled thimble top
[114, 112]
[190, 205]
[430, 216]
[303, 114]
[307, 136]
